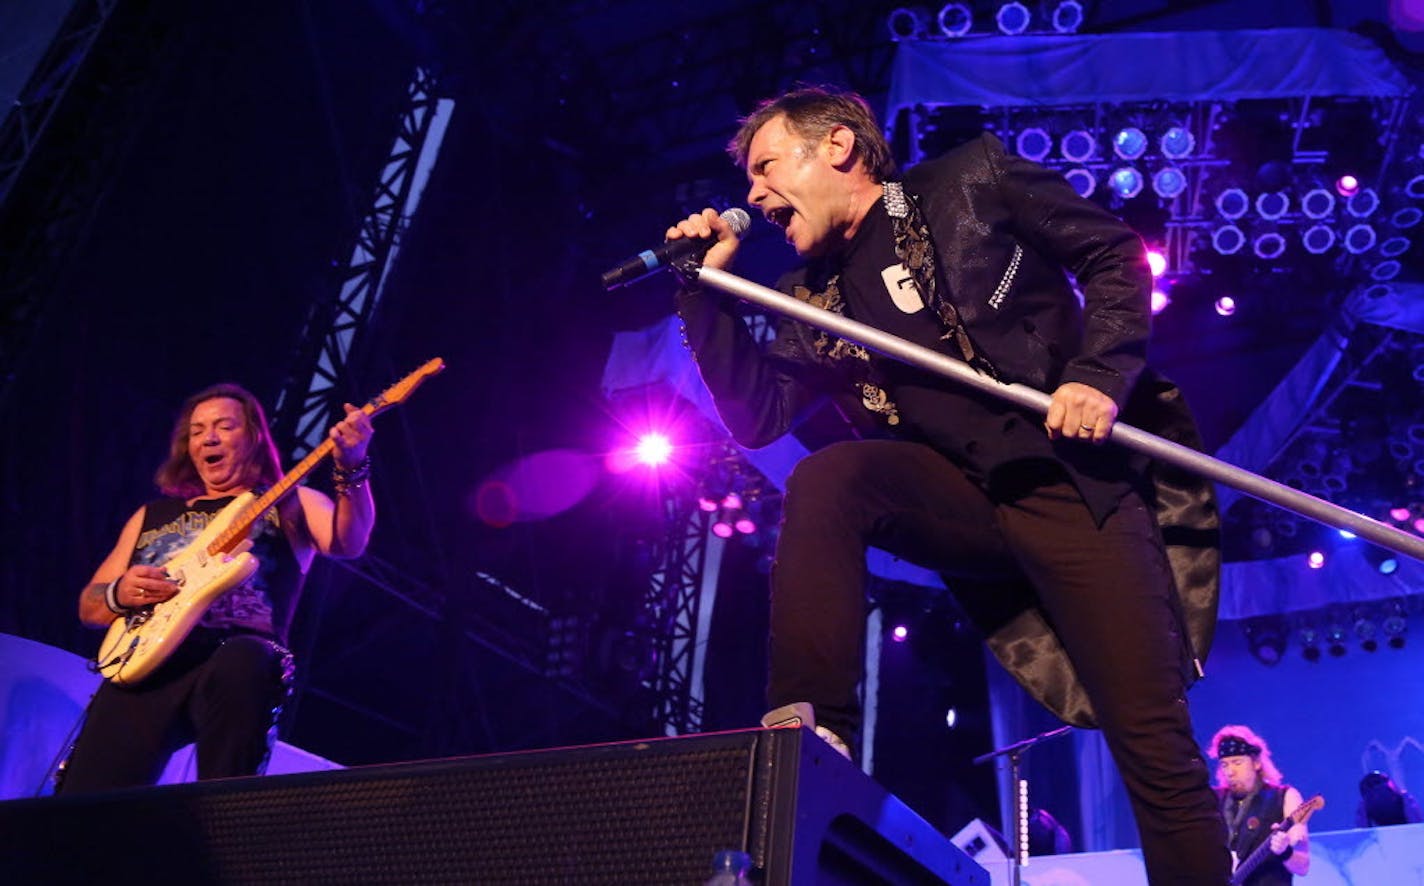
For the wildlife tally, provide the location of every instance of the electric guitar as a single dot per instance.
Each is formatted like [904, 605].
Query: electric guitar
[1301, 815]
[215, 562]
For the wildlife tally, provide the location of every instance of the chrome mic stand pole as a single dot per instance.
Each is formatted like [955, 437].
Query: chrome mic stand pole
[1255, 485]
[1015, 752]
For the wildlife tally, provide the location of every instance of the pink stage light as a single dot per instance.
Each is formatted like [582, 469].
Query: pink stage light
[1316, 559]
[733, 502]
[706, 504]
[1347, 185]
[1399, 515]
[745, 525]
[1157, 262]
[900, 633]
[653, 449]
[1160, 300]
[1419, 526]
[1226, 306]
[722, 529]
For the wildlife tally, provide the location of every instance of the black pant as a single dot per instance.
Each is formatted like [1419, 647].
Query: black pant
[1105, 590]
[223, 693]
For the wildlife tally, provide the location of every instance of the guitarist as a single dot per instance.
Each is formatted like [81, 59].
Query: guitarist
[225, 684]
[1253, 798]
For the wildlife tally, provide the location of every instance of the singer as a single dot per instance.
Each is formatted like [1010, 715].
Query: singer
[1053, 544]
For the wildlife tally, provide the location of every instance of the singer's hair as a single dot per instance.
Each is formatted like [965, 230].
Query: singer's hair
[178, 477]
[1269, 773]
[813, 111]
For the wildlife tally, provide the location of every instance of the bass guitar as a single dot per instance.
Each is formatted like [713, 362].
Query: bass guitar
[216, 562]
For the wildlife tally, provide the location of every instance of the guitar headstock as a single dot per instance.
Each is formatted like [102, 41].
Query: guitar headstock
[1304, 811]
[398, 392]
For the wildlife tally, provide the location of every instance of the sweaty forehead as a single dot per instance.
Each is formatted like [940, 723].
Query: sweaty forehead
[216, 409]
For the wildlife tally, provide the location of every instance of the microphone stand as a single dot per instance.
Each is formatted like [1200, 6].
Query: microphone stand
[1184, 457]
[1015, 752]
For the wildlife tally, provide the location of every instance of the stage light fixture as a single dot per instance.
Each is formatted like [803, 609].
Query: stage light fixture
[1399, 514]
[1316, 560]
[1385, 271]
[1228, 239]
[1177, 142]
[1129, 143]
[906, 23]
[1067, 17]
[1415, 187]
[1168, 182]
[1318, 239]
[1232, 203]
[1082, 181]
[1226, 306]
[1160, 301]
[1266, 637]
[1365, 630]
[1078, 146]
[1394, 247]
[1156, 262]
[1309, 639]
[1407, 217]
[1395, 624]
[1012, 18]
[1347, 185]
[1317, 203]
[1359, 239]
[1335, 637]
[900, 633]
[1272, 204]
[1269, 246]
[1126, 182]
[1363, 203]
[955, 19]
[1033, 143]
[1383, 561]
[653, 449]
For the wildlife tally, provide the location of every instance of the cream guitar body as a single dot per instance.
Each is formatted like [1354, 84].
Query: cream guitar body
[137, 644]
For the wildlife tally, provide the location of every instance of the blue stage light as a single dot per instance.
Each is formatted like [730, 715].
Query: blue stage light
[1363, 203]
[1317, 203]
[1013, 18]
[1068, 17]
[1169, 181]
[1130, 143]
[1269, 246]
[1078, 146]
[1228, 239]
[1033, 143]
[1126, 182]
[955, 19]
[1360, 238]
[1082, 181]
[1177, 142]
[1232, 203]
[1272, 204]
[1318, 239]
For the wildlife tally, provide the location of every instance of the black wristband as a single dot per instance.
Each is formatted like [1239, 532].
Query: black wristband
[111, 599]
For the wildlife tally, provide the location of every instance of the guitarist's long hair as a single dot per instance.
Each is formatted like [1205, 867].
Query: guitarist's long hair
[177, 477]
[1269, 773]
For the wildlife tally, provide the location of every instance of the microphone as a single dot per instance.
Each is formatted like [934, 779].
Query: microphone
[649, 260]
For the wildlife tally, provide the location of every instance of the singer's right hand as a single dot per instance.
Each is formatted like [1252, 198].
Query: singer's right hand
[708, 224]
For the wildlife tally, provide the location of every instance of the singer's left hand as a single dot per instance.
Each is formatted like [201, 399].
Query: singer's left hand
[1080, 412]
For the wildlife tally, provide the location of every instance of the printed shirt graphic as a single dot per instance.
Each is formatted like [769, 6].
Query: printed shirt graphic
[170, 525]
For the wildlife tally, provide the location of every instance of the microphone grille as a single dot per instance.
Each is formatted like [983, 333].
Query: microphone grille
[738, 219]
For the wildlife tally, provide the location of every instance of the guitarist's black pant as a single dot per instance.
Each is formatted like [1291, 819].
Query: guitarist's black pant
[222, 692]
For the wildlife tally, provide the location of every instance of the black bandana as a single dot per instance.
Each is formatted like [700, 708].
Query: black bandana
[1235, 746]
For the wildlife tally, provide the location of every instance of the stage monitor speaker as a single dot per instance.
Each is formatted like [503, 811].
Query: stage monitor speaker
[652, 812]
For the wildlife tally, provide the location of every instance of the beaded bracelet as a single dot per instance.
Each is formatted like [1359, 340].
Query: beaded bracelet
[347, 480]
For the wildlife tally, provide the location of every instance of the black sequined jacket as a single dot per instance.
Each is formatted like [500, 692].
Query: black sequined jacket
[1003, 230]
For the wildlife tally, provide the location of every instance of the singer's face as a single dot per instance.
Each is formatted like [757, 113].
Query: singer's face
[796, 187]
